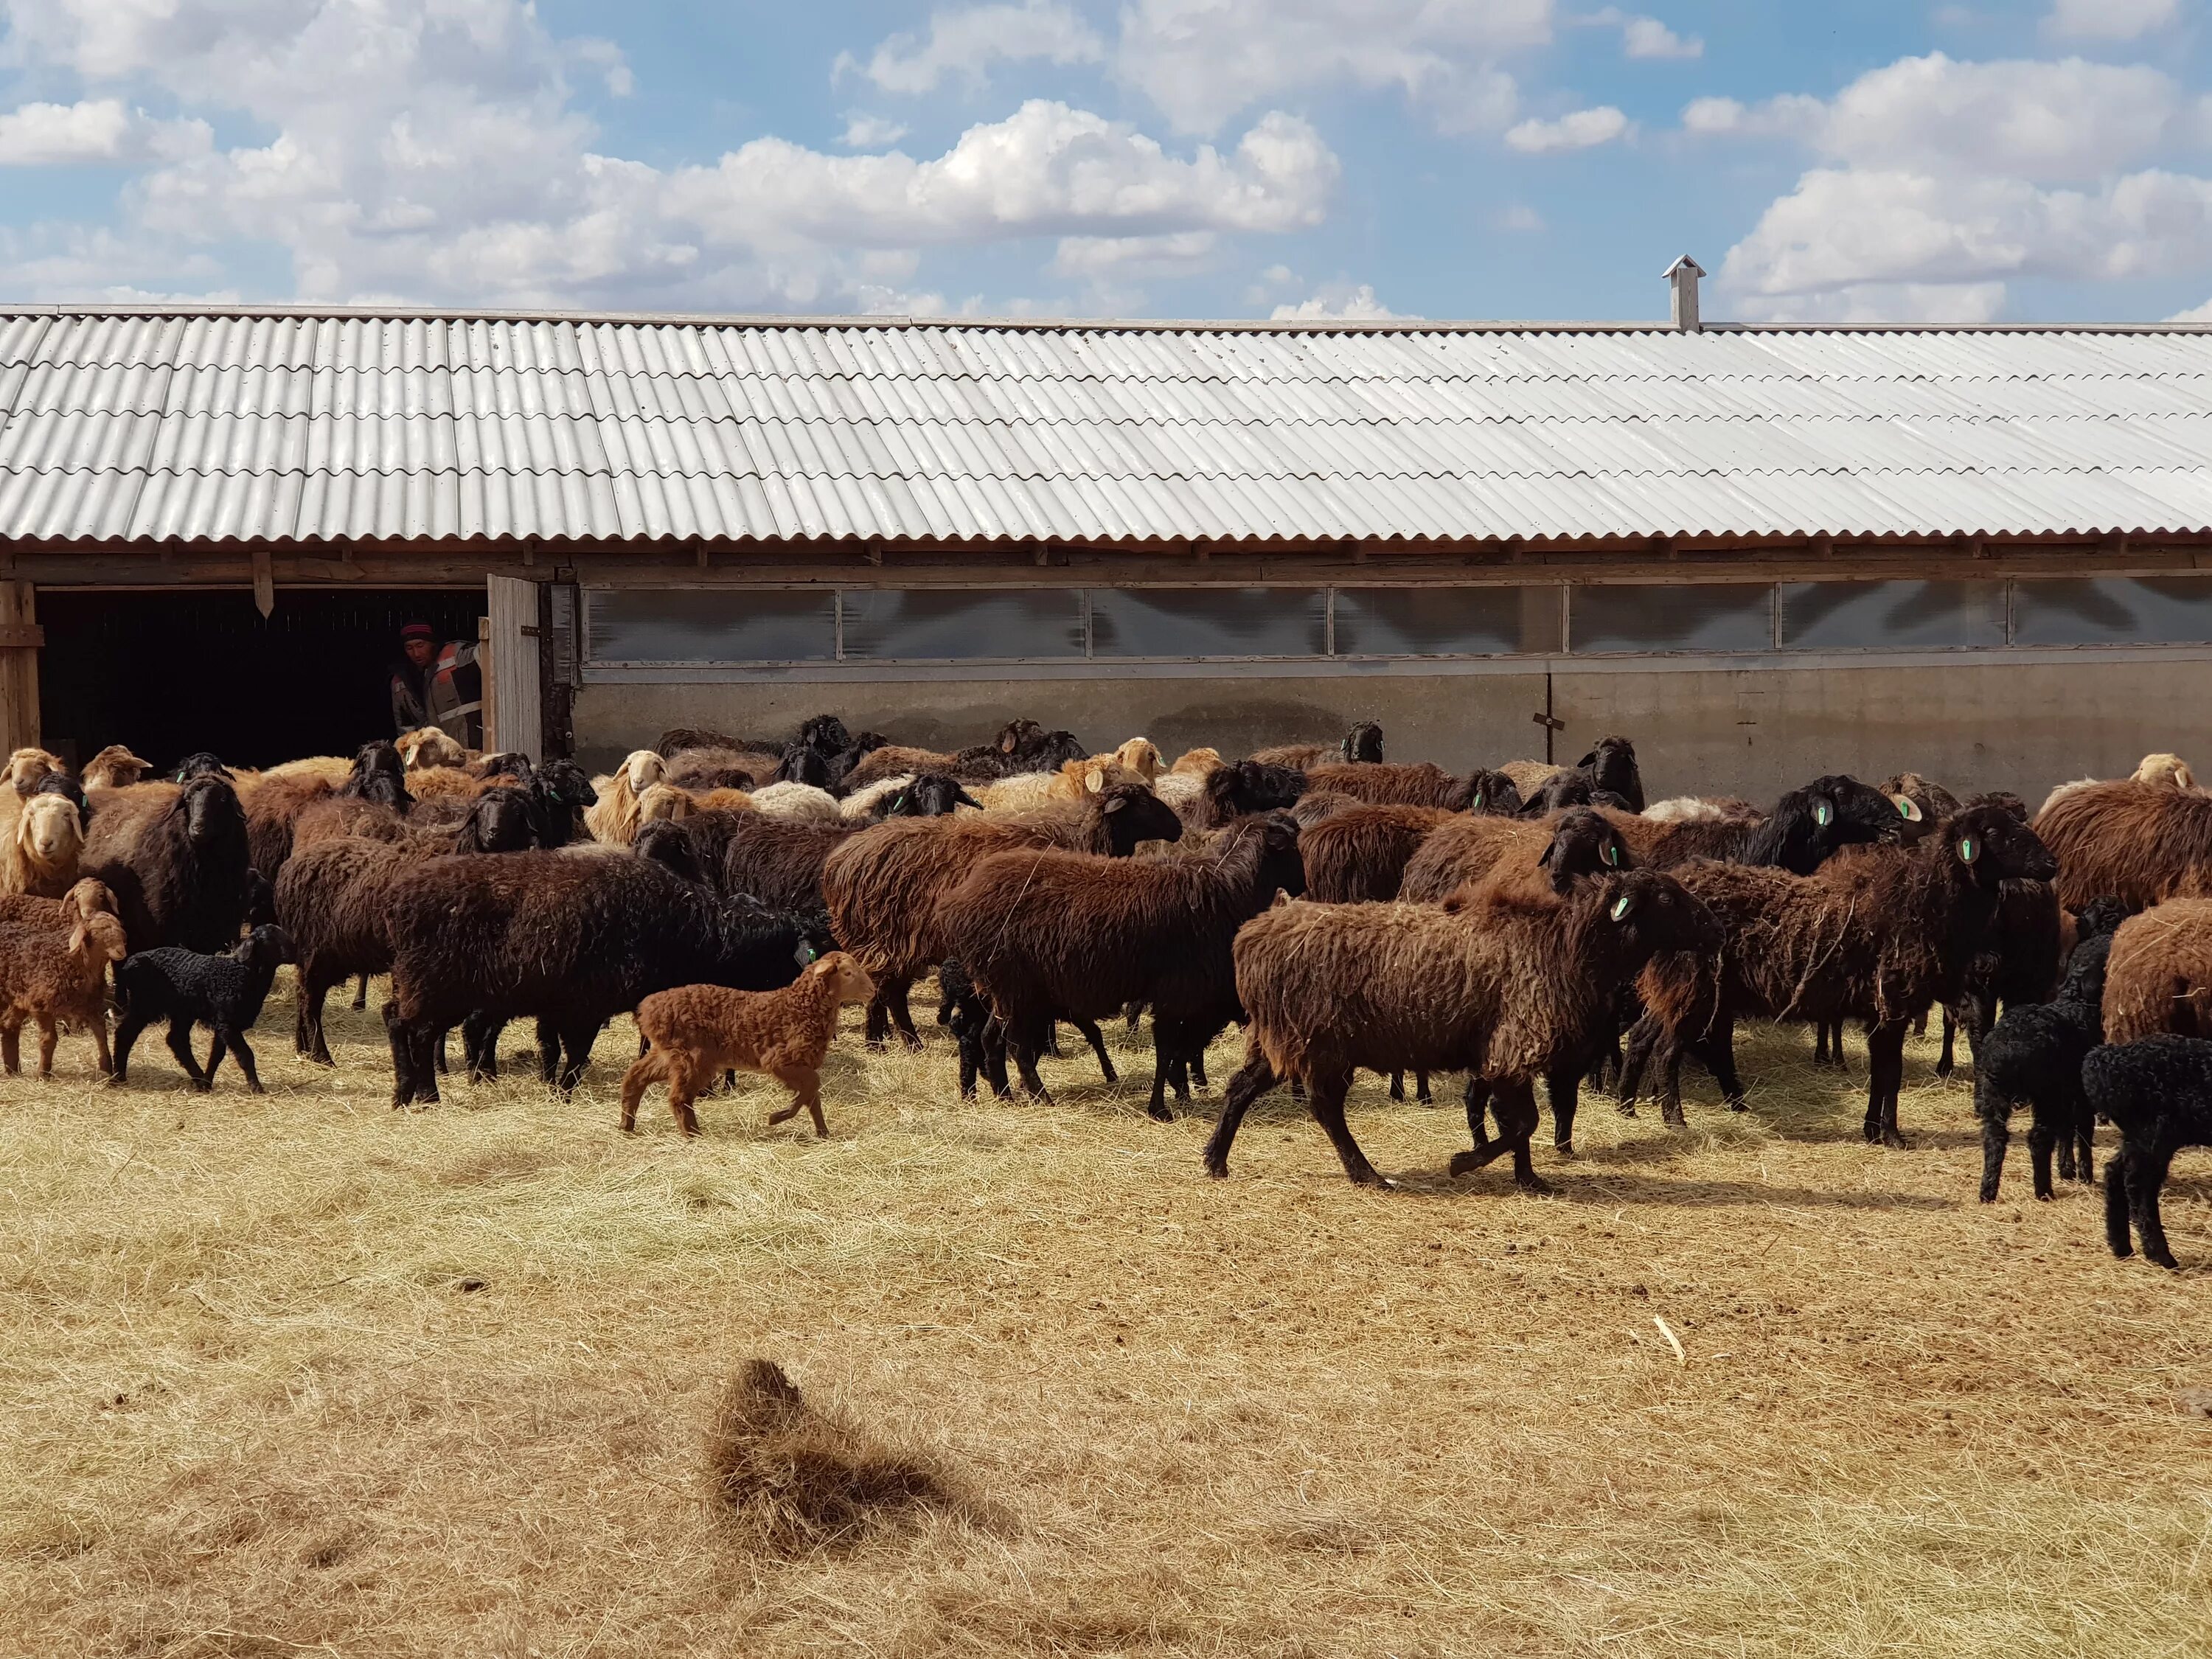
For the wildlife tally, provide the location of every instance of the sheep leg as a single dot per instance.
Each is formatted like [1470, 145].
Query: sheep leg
[1421, 1095]
[804, 1082]
[307, 1038]
[1885, 1076]
[994, 1058]
[894, 996]
[2082, 1133]
[1052, 1042]
[684, 1081]
[49, 1034]
[577, 1039]
[1092, 1036]
[180, 1045]
[2146, 1177]
[647, 1069]
[1563, 1087]
[1198, 1069]
[126, 1034]
[2042, 1139]
[1326, 1090]
[403, 1064]
[1134, 1013]
[1644, 1038]
[244, 1056]
[2116, 1201]
[1485, 1149]
[100, 1042]
[1253, 1078]
[1515, 1108]
[1947, 1062]
[360, 992]
[1717, 1050]
[1025, 1041]
[1996, 1135]
[1172, 1041]
[480, 1046]
[11, 1049]
[1398, 1086]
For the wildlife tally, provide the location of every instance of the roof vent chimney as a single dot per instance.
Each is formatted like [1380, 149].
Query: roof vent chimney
[1682, 276]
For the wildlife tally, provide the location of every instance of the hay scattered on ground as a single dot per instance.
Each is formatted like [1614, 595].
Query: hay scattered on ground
[253, 1404]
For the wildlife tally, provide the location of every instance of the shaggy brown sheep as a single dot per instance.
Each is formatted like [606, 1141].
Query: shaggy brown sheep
[2159, 976]
[1049, 934]
[2140, 843]
[883, 888]
[176, 862]
[54, 957]
[1503, 991]
[697, 1032]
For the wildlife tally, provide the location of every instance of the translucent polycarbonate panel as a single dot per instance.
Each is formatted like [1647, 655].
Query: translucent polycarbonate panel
[1209, 622]
[2113, 610]
[1891, 615]
[1446, 621]
[709, 625]
[1717, 616]
[941, 625]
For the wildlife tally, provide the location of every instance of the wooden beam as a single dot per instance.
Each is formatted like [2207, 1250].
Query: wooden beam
[264, 582]
[19, 666]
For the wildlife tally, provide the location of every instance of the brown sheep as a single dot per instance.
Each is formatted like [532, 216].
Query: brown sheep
[42, 850]
[429, 745]
[54, 957]
[699, 1031]
[1363, 743]
[1505, 992]
[114, 768]
[1934, 802]
[883, 888]
[2141, 844]
[2159, 976]
[1046, 934]
[1420, 784]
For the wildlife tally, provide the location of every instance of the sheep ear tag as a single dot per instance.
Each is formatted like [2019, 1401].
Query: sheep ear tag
[898, 801]
[1612, 857]
[1969, 849]
[1905, 809]
[1622, 906]
[1824, 813]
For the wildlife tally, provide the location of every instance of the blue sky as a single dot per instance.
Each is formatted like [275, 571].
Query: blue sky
[1880, 160]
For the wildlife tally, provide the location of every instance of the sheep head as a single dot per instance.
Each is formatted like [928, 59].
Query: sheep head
[1992, 846]
[429, 745]
[97, 939]
[2170, 771]
[49, 833]
[1363, 742]
[27, 766]
[825, 734]
[661, 802]
[1492, 793]
[846, 980]
[932, 795]
[87, 899]
[265, 947]
[202, 764]
[1197, 762]
[643, 769]
[1655, 913]
[1611, 764]
[1133, 813]
[211, 811]
[498, 822]
[114, 768]
[1583, 844]
[2098, 917]
[1139, 755]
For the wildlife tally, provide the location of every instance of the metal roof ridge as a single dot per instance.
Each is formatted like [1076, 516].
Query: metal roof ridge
[1054, 324]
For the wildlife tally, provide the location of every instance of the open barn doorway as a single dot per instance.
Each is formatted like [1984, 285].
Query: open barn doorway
[179, 670]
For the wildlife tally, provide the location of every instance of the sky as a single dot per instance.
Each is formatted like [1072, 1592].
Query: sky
[1857, 161]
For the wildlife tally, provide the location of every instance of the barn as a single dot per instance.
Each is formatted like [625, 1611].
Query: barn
[1753, 548]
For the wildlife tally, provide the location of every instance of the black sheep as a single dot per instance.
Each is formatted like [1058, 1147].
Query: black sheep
[201, 764]
[2034, 1054]
[932, 795]
[177, 868]
[1247, 788]
[60, 783]
[803, 764]
[559, 792]
[223, 992]
[570, 941]
[2157, 1092]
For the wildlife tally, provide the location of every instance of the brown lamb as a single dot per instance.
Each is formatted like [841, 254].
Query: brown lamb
[1383, 783]
[114, 768]
[697, 1032]
[883, 888]
[1506, 992]
[54, 957]
[2159, 976]
[2141, 844]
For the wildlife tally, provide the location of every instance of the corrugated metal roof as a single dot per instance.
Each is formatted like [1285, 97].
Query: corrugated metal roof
[288, 424]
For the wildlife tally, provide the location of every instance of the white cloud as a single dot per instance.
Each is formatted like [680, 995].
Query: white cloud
[1096, 258]
[1521, 219]
[1203, 61]
[2110, 20]
[1338, 301]
[870, 131]
[98, 131]
[1645, 37]
[1583, 130]
[1942, 180]
[966, 43]
[432, 149]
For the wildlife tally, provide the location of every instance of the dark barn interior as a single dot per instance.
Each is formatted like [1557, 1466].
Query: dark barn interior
[174, 672]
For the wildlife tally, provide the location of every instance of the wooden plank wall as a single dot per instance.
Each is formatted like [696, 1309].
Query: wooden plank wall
[21, 638]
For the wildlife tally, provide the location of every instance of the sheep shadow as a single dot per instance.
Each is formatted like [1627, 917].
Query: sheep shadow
[1613, 1190]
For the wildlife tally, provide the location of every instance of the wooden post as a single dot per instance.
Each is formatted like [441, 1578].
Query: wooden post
[21, 637]
[490, 692]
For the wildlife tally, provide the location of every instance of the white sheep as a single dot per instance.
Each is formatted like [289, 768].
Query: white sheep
[40, 854]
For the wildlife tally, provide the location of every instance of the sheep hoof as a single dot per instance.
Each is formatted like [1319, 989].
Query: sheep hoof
[1536, 1184]
[1895, 1141]
[783, 1116]
[1159, 1114]
[1625, 1107]
[1475, 1157]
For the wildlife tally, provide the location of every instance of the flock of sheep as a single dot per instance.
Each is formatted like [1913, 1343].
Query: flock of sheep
[1530, 921]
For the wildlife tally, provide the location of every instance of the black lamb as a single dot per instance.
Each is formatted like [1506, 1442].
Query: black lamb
[2034, 1054]
[2157, 1090]
[559, 792]
[223, 992]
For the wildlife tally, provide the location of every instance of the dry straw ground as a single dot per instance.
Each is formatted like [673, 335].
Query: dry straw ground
[299, 1376]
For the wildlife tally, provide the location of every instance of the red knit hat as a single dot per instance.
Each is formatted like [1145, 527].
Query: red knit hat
[417, 631]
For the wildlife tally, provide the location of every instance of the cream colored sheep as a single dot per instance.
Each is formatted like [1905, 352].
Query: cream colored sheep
[861, 806]
[800, 803]
[613, 820]
[41, 854]
[1138, 756]
[2166, 768]
[1182, 783]
[429, 745]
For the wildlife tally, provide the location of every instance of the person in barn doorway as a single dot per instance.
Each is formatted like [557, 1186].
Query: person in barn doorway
[438, 684]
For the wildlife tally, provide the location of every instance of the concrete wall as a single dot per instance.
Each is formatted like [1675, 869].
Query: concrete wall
[1753, 731]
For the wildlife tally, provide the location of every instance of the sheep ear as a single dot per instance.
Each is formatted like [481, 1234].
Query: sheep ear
[1117, 803]
[822, 969]
[1905, 808]
[1282, 898]
[1970, 849]
[1095, 780]
[1623, 906]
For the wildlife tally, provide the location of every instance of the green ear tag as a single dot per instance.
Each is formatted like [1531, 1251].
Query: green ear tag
[1969, 849]
[1823, 812]
[1612, 855]
[1621, 907]
[1905, 809]
[898, 801]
